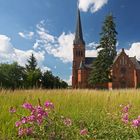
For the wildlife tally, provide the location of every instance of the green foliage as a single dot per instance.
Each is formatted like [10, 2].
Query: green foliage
[13, 76]
[31, 63]
[33, 74]
[106, 53]
[50, 81]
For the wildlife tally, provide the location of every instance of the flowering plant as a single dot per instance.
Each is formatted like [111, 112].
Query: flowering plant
[43, 122]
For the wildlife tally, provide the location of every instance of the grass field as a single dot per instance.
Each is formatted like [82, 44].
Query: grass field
[99, 109]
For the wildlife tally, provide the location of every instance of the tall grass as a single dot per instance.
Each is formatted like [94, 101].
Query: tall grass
[99, 108]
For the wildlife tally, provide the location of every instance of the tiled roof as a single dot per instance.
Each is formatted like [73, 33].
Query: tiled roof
[89, 61]
[135, 62]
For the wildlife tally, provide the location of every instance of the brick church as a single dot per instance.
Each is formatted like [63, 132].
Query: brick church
[125, 70]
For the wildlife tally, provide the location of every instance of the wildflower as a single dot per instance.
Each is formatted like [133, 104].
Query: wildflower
[18, 124]
[24, 120]
[40, 110]
[27, 106]
[125, 109]
[31, 118]
[12, 110]
[39, 121]
[68, 122]
[21, 132]
[135, 123]
[125, 118]
[29, 131]
[49, 105]
[83, 132]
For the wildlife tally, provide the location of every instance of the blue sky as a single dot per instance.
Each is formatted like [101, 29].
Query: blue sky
[46, 28]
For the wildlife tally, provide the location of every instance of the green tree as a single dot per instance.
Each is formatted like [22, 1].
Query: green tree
[106, 53]
[33, 74]
[11, 76]
[48, 80]
[31, 63]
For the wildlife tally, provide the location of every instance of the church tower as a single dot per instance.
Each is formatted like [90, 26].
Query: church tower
[78, 51]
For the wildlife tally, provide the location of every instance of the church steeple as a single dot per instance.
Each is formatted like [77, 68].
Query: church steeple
[78, 51]
[78, 34]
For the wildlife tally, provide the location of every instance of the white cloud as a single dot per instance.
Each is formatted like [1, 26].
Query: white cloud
[91, 53]
[45, 68]
[61, 46]
[134, 50]
[9, 54]
[64, 51]
[69, 81]
[92, 5]
[26, 35]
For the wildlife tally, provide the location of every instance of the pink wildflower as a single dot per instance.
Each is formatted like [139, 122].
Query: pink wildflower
[84, 132]
[40, 110]
[24, 120]
[49, 105]
[27, 106]
[12, 110]
[125, 118]
[29, 131]
[125, 109]
[31, 118]
[21, 132]
[18, 124]
[135, 123]
[68, 122]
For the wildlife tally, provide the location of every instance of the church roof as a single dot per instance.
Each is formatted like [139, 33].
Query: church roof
[78, 34]
[89, 61]
[135, 62]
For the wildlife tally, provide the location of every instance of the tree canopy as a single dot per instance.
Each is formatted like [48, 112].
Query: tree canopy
[106, 53]
[13, 76]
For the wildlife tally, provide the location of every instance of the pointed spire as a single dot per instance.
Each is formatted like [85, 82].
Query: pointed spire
[78, 34]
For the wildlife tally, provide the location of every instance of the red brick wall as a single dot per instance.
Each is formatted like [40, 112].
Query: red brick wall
[77, 58]
[123, 73]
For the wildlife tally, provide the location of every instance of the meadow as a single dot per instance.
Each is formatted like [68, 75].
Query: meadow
[98, 111]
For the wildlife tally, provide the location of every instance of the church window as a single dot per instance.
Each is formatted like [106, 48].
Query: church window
[76, 53]
[126, 61]
[120, 61]
[123, 70]
[123, 59]
[81, 53]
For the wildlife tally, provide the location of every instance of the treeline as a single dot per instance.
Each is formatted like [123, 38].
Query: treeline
[13, 76]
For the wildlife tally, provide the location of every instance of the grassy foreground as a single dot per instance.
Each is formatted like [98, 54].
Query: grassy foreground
[101, 109]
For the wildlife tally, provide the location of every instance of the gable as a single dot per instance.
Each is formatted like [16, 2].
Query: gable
[122, 59]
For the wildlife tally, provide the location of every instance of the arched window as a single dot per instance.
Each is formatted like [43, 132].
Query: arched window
[123, 70]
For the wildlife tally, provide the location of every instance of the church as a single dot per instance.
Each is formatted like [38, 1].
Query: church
[125, 70]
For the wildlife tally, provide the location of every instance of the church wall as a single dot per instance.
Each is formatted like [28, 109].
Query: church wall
[123, 73]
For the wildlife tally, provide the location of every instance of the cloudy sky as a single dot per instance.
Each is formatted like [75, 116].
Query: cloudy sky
[46, 28]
